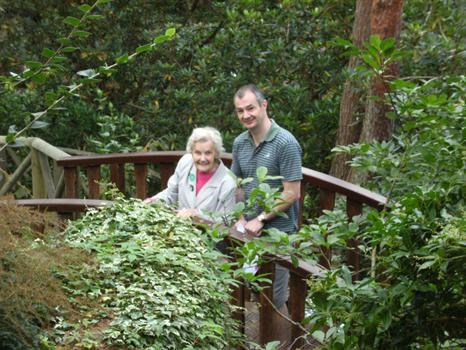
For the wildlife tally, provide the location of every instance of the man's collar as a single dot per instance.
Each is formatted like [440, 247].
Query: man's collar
[269, 136]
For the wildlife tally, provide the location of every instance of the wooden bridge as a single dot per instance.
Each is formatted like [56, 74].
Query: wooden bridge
[65, 183]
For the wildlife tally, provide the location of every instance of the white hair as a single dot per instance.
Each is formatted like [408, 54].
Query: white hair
[205, 134]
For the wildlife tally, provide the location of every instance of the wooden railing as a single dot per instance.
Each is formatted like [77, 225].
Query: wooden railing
[36, 170]
[328, 187]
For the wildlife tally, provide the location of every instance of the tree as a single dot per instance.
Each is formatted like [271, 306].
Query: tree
[385, 21]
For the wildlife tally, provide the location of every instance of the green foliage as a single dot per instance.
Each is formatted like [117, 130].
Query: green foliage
[412, 293]
[157, 281]
[189, 82]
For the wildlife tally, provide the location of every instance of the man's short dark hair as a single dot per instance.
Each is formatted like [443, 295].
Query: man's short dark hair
[260, 97]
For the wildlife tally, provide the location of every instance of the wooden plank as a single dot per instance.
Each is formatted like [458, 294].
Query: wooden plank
[353, 208]
[60, 186]
[117, 176]
[62, 205]
[93, 178]
[47, 175]
[38, 182]
[11, 182]
[140, 174]
[71, 174]
[166, 170]
[296, 302]
[266, 309]
[239, 301]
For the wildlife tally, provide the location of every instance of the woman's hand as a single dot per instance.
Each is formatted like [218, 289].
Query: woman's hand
[187, 212]
[149, 200]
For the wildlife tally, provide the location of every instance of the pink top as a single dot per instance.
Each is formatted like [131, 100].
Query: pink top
[202, 178]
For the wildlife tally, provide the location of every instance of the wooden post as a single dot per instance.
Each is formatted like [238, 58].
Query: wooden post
[38, 182]
[71, 175]
[266, 309]
[93, 178]
[140, 173]
[166, 170]
[47, 175]
[11, 182]
[117, 176]
[296, 302]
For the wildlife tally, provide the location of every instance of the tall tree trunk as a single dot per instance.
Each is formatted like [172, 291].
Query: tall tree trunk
[385, 20]
[352, 104]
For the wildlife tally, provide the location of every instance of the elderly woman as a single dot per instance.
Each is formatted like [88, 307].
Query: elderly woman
[201, 186]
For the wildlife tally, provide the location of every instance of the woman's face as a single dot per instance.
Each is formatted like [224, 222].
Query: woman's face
[204, 155]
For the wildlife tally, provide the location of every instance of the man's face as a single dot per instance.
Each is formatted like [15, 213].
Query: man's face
[250, 113]
[204, 156]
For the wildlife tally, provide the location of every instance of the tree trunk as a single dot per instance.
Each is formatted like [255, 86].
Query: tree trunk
[354, 95]
[385, 20]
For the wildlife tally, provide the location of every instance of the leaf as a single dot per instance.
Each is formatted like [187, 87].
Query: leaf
[427, 264]
[144, 48]
[81, 33]
[122, 59]
[261, 173]
[47, 52]
[65, 41]
[100, 2]
[38, 115]
[33, 65]
[72, 21]
[319, 335]
[10, 138]
[85, 8]
[272, 345]
[375, 41]
[70, 49]
[37, 124]
[170, 32]
[95, 17]
[39, 78]
[86, 73]
[160, 39]
[59, 59]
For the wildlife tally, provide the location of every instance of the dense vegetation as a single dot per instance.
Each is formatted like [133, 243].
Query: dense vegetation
[411, 292]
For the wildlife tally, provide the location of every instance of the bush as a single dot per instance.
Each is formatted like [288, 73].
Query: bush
[157, 282]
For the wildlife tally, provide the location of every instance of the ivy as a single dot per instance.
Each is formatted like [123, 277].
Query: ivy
[157, 281]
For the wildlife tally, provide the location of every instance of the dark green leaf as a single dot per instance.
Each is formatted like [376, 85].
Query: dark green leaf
[47, 52]
[73, 21]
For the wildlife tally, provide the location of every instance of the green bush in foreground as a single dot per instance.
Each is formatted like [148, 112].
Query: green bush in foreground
[157, 281]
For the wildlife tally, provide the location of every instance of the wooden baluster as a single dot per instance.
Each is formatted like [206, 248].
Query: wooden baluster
[266, 309]
[301, 204]
[166, 170]
[38, 182]
[239, 301]
[353, 208]
[140, 173]
[93, 178]
[296, 302]
[46, 175]
[117, 176]
[71, 174]
[327, 202]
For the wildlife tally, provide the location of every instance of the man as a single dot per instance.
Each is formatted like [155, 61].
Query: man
[264, 143]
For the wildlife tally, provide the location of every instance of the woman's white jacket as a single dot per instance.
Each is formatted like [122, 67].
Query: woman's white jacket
[216, 198]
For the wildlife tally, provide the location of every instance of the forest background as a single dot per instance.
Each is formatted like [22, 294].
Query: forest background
[286, 47]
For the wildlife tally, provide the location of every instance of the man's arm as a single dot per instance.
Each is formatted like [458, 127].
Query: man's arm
[290, 194]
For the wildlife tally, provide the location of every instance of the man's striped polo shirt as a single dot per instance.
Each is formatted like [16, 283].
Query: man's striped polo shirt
[280, 153]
